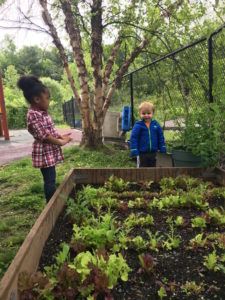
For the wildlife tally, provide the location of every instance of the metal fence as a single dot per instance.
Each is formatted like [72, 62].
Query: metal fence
[71, 113]
[179, 83]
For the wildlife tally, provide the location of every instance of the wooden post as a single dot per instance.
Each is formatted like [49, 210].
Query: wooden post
[1, 129]
[3, 117]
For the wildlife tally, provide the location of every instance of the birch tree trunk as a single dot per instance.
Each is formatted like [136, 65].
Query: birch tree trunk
[96, 62]
[92, 121]
[72, 28]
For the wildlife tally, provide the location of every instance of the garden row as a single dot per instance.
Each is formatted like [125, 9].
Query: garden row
[132, 240]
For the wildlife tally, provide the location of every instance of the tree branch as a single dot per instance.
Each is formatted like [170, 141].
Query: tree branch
[48, 21]
[82, 21]
[123, 69]
[29, 20]
[22, 27]
[75, 41]
[96, 56]
[110, 63]
[129, 24]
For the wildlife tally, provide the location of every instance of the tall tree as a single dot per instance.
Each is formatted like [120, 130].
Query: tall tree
[93, 23]
[135, 23]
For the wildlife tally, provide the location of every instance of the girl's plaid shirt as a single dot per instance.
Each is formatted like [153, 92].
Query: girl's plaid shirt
[40, 125]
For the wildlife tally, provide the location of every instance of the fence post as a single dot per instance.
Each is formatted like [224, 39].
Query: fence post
[4, 128]
[210, 57]
[132, 99]
[73, 111]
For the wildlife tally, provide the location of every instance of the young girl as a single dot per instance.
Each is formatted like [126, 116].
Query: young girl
[146, 137]
[47, 142]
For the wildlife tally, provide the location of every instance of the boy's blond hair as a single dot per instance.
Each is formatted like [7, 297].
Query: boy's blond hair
[146, 105]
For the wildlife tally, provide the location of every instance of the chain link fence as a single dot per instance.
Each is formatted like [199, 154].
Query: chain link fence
[218, 65]
[180, 83]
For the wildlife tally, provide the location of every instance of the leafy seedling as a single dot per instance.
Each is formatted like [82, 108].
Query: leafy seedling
[147, 263]
[162, 292]
[191, 288]
[211, 261]
[198, 222]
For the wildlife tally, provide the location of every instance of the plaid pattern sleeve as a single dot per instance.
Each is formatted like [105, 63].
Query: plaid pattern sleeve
[40, 125]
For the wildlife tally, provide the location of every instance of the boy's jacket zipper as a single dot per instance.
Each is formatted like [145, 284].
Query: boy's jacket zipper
[149, 135]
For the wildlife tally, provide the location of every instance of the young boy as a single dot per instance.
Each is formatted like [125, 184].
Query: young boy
[146, 137]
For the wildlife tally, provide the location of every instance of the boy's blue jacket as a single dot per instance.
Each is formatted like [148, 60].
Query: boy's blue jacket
[144, 139]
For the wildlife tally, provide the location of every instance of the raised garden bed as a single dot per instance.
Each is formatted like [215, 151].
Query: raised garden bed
[158, 220]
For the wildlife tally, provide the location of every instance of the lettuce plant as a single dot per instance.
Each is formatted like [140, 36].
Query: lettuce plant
[173, 241]
[78, 211]
[218, 239]
[122, 242]
[137, 220]
[28, 283]
[101, 232]
[162, 292]
[167, 183]
[198, 222]
[62, 257]
[216, 192]
[192, 288]
[138, 202]
[131, 204]
[215, 263]
[138, 243]
[198, 242]
[147, 263]
[155, 240]
[194, 198]
[123, 207]
[179, 221]
[116, 184]
[211, 261]
[215, 216]
[113, 266]
[88, 276]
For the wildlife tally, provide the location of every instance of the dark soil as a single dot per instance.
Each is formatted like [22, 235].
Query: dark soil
[62, 232]
[172, 269]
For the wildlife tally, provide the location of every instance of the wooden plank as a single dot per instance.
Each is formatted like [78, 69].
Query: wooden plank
[28, 256]
[100, 175]
[220, 176]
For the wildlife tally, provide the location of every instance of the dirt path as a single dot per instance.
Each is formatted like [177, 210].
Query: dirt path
[20, 144]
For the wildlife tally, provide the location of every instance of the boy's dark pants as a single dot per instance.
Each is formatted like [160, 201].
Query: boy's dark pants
[49, 176]
[147, 159]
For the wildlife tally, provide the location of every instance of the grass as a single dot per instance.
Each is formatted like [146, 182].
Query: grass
[22, 198]
[62, 126]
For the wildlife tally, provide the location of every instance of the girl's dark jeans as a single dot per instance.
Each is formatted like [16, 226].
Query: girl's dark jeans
[49, 176]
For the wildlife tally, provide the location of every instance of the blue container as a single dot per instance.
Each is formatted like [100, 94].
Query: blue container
[126, 115]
